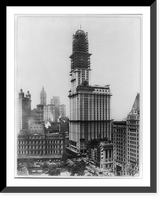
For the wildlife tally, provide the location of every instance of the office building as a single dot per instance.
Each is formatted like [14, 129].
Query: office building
[56, 102]
[37, 141]
[49, 113]
[24, 110]
[133, 138]
[43, 97]
[40, 112]
[106, 156]
[62, 110]
[89, 105]
[119, 147]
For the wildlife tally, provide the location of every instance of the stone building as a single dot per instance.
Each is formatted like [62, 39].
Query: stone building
[119, 147]
[133, 138]
[43, 97]
[89, 105]
[40, 112]
[56, 102]
[38, 144]
[126, 143]
[62, 110]
[49, 113]
[40, 140]
[24, 110]
[106, 156]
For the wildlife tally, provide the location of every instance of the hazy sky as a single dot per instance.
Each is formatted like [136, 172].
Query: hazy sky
[44, 44]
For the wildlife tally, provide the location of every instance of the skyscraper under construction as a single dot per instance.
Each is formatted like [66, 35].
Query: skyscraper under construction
[89, 105]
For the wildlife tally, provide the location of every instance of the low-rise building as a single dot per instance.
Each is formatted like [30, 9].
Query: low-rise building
[38, 141]
[51, 144]
[106, 156]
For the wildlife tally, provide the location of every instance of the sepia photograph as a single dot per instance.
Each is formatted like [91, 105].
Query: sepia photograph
[77, 96]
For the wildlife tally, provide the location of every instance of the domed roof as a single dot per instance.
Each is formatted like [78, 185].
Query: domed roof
[28, 94]
[43, 92]
[80, 32]
[21, 91]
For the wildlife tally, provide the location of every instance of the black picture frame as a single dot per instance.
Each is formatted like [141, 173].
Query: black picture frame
[153, 133]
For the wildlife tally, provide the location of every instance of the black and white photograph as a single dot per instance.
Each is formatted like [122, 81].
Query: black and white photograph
[77, 96]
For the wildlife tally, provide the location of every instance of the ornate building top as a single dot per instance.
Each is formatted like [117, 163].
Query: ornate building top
[43, 96]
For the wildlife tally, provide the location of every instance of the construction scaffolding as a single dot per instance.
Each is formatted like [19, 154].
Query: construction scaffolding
[80, 57]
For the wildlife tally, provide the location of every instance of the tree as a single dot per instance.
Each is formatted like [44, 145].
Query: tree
[54, 172]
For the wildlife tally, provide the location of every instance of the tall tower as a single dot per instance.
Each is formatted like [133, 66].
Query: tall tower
[89, 105]
[49, 113]
[56, 103]
[43, 97]
[133, 133]
[62, 110]
[80, 60]
[24, 110]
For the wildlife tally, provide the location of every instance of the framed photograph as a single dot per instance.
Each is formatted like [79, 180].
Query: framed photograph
[83, 80]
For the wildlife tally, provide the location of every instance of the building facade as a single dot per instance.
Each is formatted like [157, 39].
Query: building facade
[34, 114]
[40, 112]
[56, 102]
[49, 113]
[37, 128]
[119, 147]
[39, 141]
[106, 156]
[24, 110]
[133, 138]
[43, 97]
[59, 127]
[89, 105]
[62, 110]
[94, 154]
[36, 144]
[126, 142]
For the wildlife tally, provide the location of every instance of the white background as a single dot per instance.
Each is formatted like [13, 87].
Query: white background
[145, 100]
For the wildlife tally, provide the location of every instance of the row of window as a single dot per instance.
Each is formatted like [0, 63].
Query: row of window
[120, 159]
[41, 147]
[94, 96]
[132, 154]
[95, 107]
[116, 131]
[40, 127]
[37, 137]
[91, 112]
[122, 147]
[119, 143]
[40, 152]
[37, 131]
[41, 142]
[123, 139]
[132, 146]
[133, 138]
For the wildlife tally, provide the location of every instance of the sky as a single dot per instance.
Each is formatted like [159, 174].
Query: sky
[43, 45]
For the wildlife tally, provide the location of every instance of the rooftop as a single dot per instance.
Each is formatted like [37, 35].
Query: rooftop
[80, 32]
[119, 122]
[136, 104]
